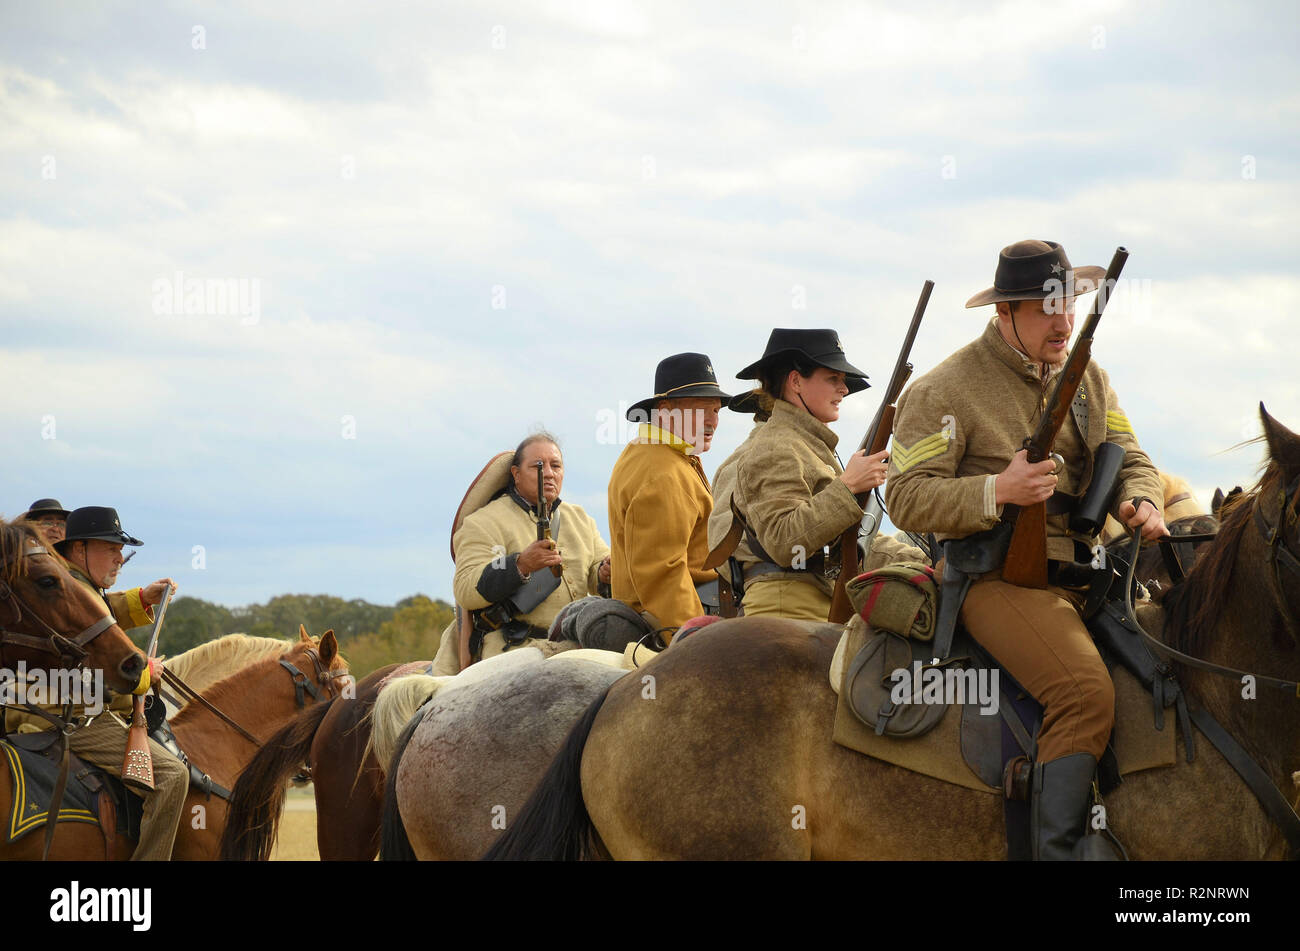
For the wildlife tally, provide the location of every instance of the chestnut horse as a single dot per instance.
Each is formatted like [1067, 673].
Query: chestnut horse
[49, 620]
[347, 781]
[730, 756]
[260, 697]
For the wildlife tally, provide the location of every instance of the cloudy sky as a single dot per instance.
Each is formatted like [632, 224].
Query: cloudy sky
[447, 224]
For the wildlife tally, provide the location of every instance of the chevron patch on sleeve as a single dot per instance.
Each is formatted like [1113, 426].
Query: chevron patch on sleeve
[1117, 422]
[905, 457]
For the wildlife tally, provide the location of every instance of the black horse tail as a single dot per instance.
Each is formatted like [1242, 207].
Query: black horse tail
[394, 846]
[256, 802]
[554, 824]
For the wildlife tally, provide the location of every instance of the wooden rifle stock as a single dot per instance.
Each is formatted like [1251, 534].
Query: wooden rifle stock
[137, 763]
[1026, 561]
[876, 439]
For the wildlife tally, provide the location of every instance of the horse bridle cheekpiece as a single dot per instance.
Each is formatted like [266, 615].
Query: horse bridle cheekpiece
[51, 642]
[1280, 554]
[301, 684]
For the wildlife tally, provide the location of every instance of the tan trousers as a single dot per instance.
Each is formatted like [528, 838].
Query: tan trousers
[1039, 637]
[797, 600]
[103, 743]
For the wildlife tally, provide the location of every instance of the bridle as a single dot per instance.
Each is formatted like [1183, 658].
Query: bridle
[302, 685]
[51, 642]
[1280, 554]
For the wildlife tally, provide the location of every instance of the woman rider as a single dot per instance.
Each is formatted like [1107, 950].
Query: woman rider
[793, 493]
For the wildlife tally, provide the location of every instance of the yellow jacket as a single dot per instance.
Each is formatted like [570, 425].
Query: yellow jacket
[494, 536]
[659, 506]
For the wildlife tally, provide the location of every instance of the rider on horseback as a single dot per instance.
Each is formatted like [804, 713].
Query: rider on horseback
[957, 461]
[659, 497]
[92, 551]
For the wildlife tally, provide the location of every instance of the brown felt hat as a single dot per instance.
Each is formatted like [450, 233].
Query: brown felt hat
[1037, 270]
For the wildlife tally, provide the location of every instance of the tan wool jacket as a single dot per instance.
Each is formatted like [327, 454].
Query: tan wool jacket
[961, 423]
[724, 484]
[659, 506]
[789, 491]
[502, 529]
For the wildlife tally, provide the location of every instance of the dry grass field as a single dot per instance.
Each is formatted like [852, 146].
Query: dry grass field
[297, 839]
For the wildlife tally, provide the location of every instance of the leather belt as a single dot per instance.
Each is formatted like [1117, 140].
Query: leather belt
[816, 566]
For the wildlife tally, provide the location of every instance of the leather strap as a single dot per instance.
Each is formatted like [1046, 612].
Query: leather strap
[1274, 803]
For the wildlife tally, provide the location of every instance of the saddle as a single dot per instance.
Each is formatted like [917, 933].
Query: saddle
[92, 795]
[895, 693]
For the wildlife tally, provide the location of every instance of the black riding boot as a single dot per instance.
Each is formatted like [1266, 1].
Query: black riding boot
[1059, 814]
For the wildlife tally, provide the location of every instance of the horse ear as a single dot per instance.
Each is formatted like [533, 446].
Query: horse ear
[302, 633]
[1283, 445]
[1217, 502]
[329, 647]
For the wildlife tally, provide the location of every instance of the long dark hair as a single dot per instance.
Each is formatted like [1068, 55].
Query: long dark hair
[772, 376]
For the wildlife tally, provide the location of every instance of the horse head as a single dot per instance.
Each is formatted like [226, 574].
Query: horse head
[316, 667]
[1277, 511]
[52, 621]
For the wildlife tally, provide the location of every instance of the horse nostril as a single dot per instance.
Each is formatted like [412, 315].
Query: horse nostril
[133, 666]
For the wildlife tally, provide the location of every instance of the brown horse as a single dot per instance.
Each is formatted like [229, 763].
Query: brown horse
[728, 754]
[51, 621]
[260, 697]
[347, 780]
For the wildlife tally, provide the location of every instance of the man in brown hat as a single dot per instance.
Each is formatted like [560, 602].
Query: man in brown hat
[957, 460]
[659, 498]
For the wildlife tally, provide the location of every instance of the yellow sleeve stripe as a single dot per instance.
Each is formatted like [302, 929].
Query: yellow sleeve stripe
[1117, 422]
[905, 457]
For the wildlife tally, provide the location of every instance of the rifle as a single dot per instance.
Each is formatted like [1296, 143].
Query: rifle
[544, 515]
[137, 764]
[1026, 560]
[876, 439]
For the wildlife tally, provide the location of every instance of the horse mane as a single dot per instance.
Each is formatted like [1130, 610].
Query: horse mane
[203, 666]
[14, 537]
[1193, 608]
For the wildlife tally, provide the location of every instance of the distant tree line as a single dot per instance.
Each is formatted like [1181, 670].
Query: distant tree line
[370, 635]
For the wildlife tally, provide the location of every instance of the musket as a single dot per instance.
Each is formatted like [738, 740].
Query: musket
[544, 515]
[137, 764]
[1026, 560]
[876, 439]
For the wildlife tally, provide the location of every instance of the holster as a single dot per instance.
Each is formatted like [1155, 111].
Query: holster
[965, 559]
[1090, 514]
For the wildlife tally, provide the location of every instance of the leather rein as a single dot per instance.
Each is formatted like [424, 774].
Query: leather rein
[1275, 536]
[324, 677]
[52, 642]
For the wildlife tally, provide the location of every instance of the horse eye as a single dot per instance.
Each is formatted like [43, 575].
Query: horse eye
[49, 581]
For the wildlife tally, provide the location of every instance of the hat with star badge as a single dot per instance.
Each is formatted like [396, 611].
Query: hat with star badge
[1037, 270]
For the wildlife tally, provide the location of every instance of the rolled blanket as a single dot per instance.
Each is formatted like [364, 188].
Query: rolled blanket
[902, 598]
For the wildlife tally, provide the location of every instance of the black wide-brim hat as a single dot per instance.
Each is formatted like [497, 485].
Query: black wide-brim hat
[1037, 270]
[93, 522]
[45, 507]
[821, 347]
[679, 377]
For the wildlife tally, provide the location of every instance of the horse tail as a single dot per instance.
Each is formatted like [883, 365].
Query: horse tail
[554, 824]
[394, 845]
[256, 802]
[392, 712]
